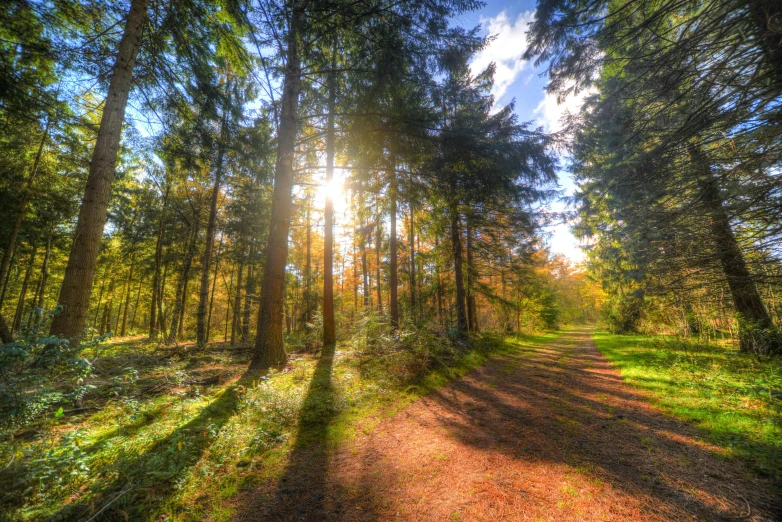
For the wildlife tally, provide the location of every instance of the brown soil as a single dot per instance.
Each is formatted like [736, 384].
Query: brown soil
[552, 434]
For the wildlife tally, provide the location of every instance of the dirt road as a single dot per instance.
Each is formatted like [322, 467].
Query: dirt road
[546, 434]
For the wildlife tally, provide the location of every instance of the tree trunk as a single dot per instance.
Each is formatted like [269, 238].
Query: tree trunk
[123, 304]
[472, 311]
[237, 304]
[80, 271]
[100, 297]
[206, 260]
[378, 259]
[156, 283]
[23, 294]
[5, 264]
[767, 16]
[308, 270]
[355, 278]
[440, 318]
[456, 248]
[127, 294]
[364, 267]
[105, 323]
[161, 310]
[177, 319]
[40, 301]
[269, 347]
[135, 308]
[413, 311]
[249, 291]
[5, 334]
[393, 253]
[329, 334]
[757, 332]
[214, 286]
[4, 283]
[228, 305]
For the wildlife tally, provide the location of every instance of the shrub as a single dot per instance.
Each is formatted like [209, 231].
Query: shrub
[404, 355]
[38, 371]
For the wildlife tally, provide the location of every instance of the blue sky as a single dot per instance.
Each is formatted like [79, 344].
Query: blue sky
[520, 80]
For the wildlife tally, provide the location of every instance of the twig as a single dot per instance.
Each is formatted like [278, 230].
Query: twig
[215, 379]
[13, 456]
[79, 410]
[149, 390]
[124, 491]
[749, 507]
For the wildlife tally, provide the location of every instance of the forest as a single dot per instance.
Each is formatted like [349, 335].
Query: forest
[292, 260]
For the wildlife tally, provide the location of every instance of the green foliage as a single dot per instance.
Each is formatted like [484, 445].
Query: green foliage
[39, 371]
[622, 313]
[676, 184]
[196, 446]
[734, 398]
[549, 309]
[403, 356]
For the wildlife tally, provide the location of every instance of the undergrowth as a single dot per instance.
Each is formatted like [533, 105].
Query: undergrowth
[734, 398]
[167, 448]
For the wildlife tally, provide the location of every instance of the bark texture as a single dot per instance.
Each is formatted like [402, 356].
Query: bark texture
[269, 347]
[329, 333]
[5, 264]
[156, 278]
[206, 260]
[757, 332]
[411, 239]
[767, 15]
[5, 332]
[458, 273]
[80, 271]
[472, 309]
[181, 294]
[393, 279]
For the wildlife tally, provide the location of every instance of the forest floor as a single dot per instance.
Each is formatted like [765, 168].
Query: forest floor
[552, 433]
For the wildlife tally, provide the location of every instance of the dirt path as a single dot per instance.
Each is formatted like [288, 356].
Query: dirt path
[552, 434]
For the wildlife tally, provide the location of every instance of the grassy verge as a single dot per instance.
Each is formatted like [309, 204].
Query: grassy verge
[735, 399]
[183, 451]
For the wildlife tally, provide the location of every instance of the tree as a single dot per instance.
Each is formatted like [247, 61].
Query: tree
[79, 274]
[694, 95]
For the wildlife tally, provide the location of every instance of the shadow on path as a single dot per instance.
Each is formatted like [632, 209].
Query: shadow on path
[302, 492]
[553, 434]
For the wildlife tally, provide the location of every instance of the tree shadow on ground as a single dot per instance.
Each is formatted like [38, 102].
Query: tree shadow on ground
[564, 408]
[303, 491]
[140, 484]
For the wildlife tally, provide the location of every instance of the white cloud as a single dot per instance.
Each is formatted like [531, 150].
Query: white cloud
[550, 113]
[505, 51]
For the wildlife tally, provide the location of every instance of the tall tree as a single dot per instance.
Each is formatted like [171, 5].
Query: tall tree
[80, 271]
[269, 348]
[206, 259]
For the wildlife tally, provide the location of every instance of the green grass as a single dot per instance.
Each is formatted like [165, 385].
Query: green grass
[185, 453]
[733, 398]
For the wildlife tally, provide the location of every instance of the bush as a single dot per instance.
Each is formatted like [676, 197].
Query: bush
[624, 314]
[38, 371]
[404, 355]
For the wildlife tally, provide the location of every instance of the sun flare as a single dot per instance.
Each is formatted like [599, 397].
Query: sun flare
[333, 189]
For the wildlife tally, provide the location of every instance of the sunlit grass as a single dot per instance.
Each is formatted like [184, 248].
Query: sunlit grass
[186, 453]
[735, 399]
